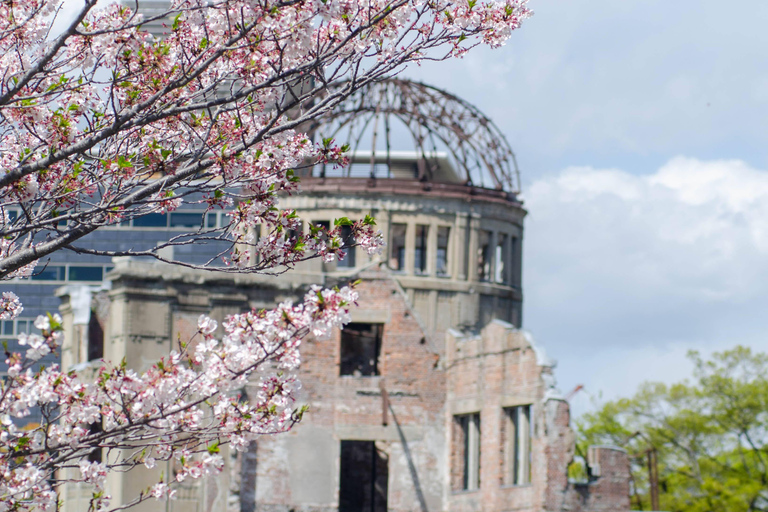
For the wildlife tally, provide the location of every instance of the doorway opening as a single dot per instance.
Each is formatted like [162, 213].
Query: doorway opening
[363, 477]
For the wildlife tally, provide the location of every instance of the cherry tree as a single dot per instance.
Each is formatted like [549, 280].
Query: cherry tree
[102, 122]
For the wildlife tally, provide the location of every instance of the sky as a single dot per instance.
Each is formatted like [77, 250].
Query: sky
[641, 132]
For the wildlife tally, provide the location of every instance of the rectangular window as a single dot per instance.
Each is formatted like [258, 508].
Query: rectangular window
[186, 220]
[363, 477]
[50, 273]
[514, 270]
[348, 261]
[8, 328]
[420, 251]
[151, 220]
[86, 273]
[465, 455]
[22, 326]
[443, 236]
[516, 445]
[210, 220]
[360, 349]
[484, 255]
[500, 268]
[95, 338]
[397, 247]
[95, 455]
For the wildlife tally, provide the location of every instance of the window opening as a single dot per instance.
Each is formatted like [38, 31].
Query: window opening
[500, 268]
[364, 474]
[360, 349]
[348, 261]
[95, 338]
[50, 273]
[484, 256]
[466, 452]
[516, 442]
[420, 251]
[151, 220]
[95, 455]
[443, 235]
[397, 244]
[514, 270]
[86, 273]
[186, 220]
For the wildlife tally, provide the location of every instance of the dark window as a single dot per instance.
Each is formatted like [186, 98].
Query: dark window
[515, 263]
[324, 224]
[8, 327]
[360, 349]
[95, 338]
[465, 467]
[516, 445]
[210, 220]
[443, 235]
[12, 216]
[348, 261]
[363, 477]
[95, 454]
[420, 251]
[186, 220]
[23, 326]
[86, 273]
[397, 244]
[50, 273]
[151, 220]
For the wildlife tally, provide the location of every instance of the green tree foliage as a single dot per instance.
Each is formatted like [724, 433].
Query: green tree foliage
[710, 434]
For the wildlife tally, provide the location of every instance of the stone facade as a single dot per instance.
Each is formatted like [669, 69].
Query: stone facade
[409, 413]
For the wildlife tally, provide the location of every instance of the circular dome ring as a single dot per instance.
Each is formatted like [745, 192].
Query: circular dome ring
[480, 151]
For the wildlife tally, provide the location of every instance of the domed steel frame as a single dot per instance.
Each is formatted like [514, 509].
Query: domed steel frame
[437, 121]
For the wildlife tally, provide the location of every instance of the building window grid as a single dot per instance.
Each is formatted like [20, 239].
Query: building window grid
[180, 219]
[68, 272]
[21, 325]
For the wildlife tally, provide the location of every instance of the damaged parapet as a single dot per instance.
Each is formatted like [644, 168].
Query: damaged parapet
[502, 380]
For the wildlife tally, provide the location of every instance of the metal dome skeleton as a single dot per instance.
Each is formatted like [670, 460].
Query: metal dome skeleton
[437, 121]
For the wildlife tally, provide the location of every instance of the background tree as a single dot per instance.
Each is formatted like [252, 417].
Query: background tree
[710, 435]
[101, 122]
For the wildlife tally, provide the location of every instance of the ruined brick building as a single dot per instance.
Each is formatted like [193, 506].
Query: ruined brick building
[432, 399]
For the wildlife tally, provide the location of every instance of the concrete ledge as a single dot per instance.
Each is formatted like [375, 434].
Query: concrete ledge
[377, 433]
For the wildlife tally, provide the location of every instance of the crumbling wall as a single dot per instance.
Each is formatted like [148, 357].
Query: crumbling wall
[502, 368]
[300, 470]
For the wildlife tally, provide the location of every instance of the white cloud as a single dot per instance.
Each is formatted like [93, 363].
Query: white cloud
[625, 273]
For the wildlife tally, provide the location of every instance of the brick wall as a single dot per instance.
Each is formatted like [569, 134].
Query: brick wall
[428, 383]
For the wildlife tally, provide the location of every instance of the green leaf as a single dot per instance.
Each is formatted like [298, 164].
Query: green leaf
[342, 221]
